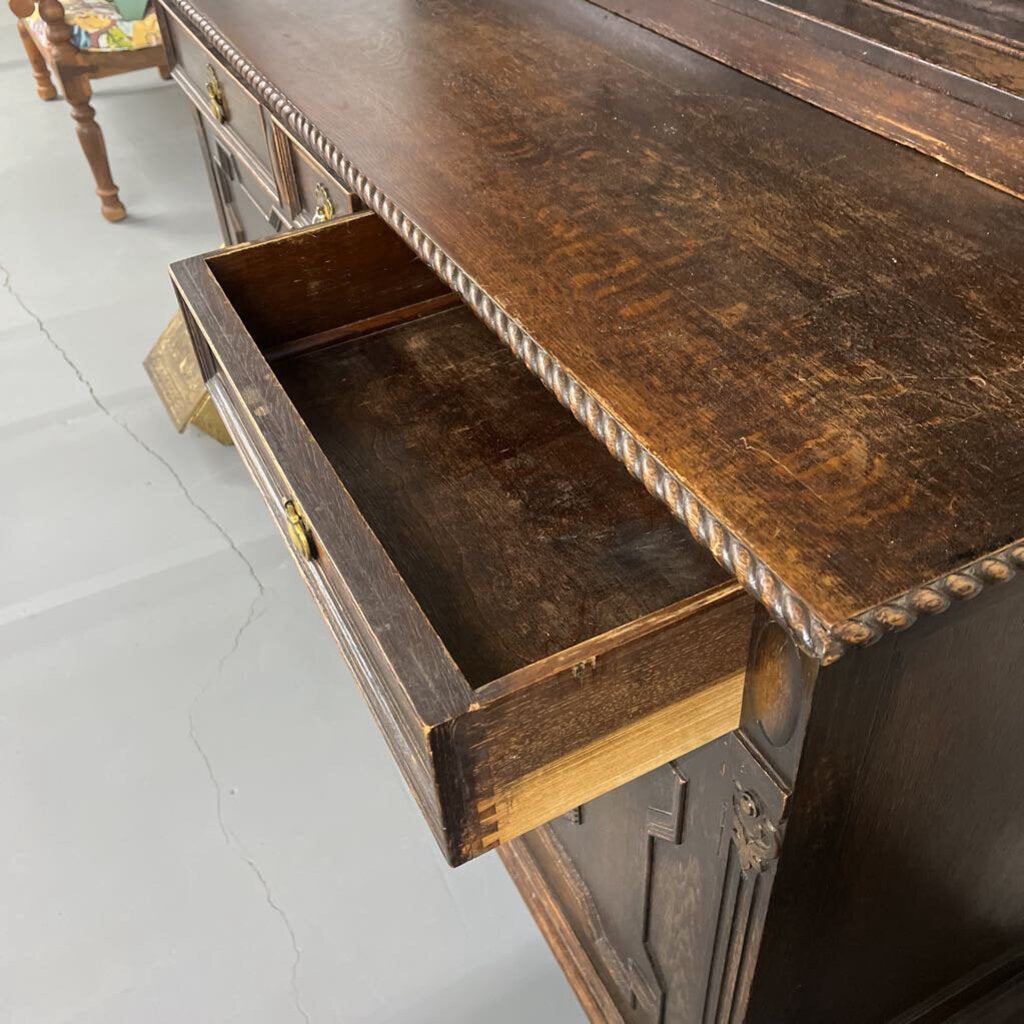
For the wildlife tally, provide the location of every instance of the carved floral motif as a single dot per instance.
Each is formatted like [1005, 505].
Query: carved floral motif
[757, 839]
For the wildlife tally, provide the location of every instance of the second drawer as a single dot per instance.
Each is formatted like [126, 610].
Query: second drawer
[310, 194]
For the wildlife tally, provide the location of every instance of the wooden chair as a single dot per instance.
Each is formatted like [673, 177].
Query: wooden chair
[48, 41]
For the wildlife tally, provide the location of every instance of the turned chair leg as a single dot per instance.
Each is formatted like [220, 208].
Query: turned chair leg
[44, 83]
[78, 92]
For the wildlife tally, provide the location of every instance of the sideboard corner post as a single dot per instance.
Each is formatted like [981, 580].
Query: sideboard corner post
[898, 854]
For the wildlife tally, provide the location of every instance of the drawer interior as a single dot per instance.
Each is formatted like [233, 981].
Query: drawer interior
[514, 530]
[516, 533]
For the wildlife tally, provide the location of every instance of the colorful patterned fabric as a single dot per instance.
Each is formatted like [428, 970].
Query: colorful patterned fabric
[97, 25]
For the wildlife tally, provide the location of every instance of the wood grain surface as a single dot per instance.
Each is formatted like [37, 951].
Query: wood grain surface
[904, 846]
[997, 19]
[928, 85]
[982, 40]
[813, 328]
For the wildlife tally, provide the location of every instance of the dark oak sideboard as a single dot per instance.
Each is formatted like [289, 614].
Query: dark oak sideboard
[639, 398]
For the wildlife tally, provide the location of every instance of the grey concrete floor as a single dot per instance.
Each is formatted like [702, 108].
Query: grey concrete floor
[199, 820]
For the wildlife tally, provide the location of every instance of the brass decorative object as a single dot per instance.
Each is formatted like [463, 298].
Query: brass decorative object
[298, 531]
[215, 96]
[172, 367]
[324, 206]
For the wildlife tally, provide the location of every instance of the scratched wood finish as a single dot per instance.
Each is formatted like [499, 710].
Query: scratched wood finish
[1001, 20]
[929, 85]
[490, 572]
[813, 327]
[886, 870]
[977, 44]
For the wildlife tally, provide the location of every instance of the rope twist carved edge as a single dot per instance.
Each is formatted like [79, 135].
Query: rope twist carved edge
[827, 644]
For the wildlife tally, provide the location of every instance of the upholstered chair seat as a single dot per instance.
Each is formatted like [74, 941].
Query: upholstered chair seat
[97, 25]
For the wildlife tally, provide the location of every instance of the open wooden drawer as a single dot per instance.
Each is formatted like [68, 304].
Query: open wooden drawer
[529, 627]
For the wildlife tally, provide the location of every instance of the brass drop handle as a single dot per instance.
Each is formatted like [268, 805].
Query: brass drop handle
[215, 94]
[324, 206]
[298, 531]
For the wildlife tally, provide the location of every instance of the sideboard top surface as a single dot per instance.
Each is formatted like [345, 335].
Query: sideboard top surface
[812, 330]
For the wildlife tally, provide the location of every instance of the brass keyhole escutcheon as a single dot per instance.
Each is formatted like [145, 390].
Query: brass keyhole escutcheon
[324, 207]
[215, 96]
[299, 532]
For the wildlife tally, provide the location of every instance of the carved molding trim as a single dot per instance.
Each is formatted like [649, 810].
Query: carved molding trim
[572, 952]
[667, 824]
[753, 811]
[661, 825]
[585, 916]
[824, 642]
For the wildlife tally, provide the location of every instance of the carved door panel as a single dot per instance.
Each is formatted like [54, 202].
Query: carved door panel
[666, 880]
[609, 846]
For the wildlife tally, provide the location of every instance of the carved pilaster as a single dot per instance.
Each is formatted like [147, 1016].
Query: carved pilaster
[753, 812]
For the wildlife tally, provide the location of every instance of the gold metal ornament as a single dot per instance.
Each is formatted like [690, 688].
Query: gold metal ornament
[215, 96]
[298, 531]
[324, 206]
[177, 379]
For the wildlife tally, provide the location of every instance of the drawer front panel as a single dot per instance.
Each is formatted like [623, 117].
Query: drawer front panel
[310, 194]
[350, 579]
[452, 553]
[321, 197]
[234, 116]
[326, 586]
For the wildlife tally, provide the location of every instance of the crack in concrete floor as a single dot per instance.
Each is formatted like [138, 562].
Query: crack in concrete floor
[230, 839]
